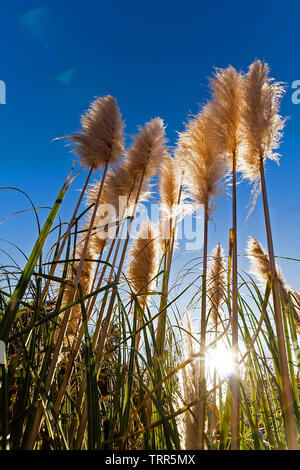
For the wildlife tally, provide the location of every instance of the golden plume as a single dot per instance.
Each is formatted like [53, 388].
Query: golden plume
[171, 199]
[196, 155]
[70, 295]
[217, 282]
[225, 115]
[148, 150]
[100, 141]
[261, 124]
[169, 186]
[143, 264]
[260, 267]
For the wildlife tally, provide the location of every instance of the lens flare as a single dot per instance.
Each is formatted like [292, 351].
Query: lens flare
[220, 360]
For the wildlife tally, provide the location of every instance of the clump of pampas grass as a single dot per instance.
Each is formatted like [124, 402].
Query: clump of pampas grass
[260, 268]
[128, 181]
[145, 154]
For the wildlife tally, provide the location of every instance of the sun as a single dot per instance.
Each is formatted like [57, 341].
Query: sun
[220, 360]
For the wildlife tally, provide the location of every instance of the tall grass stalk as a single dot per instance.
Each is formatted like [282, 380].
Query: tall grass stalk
[235, 378]
[202, 408]
[288, 401]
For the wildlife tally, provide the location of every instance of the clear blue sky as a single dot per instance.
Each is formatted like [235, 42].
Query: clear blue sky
[154, 57]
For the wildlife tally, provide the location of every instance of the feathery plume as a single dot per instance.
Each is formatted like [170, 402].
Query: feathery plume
[143, 263]
[195, 153]
[100, 140]
[169, 186]
[225, 114]
[148, 149]
[260, 267]
[69, 296]
[217, 282]
[261, 125]
[171, 199]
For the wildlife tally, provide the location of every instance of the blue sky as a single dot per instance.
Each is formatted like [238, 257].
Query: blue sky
[155, 58]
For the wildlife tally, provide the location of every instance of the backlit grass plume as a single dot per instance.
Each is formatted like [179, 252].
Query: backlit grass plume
[261, 123]
[226, 103]
[196, 155]
[217, 283]
[148, 149]
[100, 141]
[169, 186]
[143, 265]
[260, 267]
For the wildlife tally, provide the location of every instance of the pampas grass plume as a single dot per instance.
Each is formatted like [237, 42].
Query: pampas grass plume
[260, 267]
[225, 116]
[196, 155]
[217, 282]
[169, 186]
[148, 149]
[143, 264]
[100, 140]
[262, 126]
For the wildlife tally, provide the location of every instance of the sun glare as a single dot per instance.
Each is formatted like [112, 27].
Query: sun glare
[220, 360]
